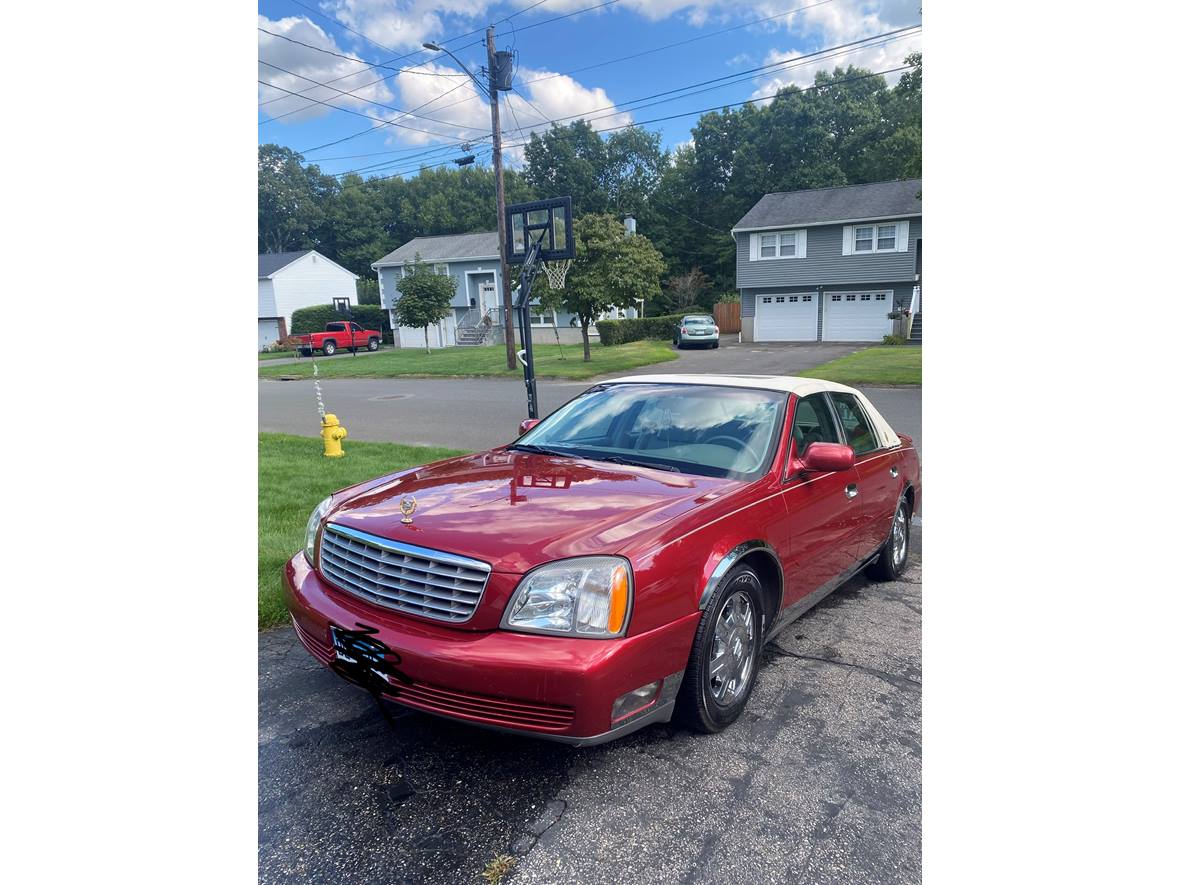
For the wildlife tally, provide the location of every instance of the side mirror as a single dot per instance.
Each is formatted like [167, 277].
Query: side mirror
[823, 457]
[529, 423]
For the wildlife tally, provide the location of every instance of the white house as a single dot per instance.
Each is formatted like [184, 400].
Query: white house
[288, 281]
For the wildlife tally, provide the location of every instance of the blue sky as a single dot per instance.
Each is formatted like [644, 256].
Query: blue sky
[378, 136]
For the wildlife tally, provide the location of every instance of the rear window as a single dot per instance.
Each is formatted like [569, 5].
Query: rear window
[698, 321]
[336, 327]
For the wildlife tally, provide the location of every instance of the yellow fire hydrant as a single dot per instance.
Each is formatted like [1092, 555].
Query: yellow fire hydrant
[332, 433]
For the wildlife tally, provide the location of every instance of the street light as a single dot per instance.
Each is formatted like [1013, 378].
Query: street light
[434, 47]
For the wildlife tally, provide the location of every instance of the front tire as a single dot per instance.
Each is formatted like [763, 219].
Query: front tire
[895, 554]
[329, 348]
[723, 664]
[373, 344]
[716, 344]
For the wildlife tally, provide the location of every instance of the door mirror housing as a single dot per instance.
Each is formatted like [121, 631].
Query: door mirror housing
[824, 457]
[529, 423]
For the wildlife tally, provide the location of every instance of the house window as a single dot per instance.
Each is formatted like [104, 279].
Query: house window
[880, 296]
[837, 297]
[783, 245]
[806, 298]
[780, 299]
[866, 297]
[794, 299]
[875, 238]
[766, 300]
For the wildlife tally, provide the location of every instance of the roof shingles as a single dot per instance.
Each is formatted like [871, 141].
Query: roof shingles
[449, 247]
[828, 205]
[272, 262]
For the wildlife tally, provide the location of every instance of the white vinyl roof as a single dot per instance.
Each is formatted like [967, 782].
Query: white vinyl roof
[786, 383]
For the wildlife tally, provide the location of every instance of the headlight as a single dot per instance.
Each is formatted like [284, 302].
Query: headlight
[313, 527]
[589, 596]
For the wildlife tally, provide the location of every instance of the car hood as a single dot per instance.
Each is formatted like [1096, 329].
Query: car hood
[515, 510]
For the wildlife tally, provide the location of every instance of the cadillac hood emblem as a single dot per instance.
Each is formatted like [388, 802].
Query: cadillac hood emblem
[408, 505]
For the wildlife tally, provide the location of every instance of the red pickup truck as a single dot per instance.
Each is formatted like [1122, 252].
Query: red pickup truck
[346, 335]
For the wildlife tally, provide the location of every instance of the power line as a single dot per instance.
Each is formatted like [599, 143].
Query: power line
[748, 101]
[739, 76]
[362, 114]
[716, 82]
[658, 48]
[333, 18]
[354, 59]
[342, 92]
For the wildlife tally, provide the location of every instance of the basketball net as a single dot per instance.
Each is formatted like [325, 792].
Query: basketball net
[555, 272]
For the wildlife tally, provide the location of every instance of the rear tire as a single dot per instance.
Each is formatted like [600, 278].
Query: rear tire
[373, 344]
[329, 348]
[723, 664]
[895, 553]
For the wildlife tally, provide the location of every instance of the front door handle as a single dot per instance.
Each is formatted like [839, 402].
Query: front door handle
[850, 490]
[893, 472]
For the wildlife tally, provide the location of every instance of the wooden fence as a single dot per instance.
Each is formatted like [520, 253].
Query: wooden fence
[728, 316]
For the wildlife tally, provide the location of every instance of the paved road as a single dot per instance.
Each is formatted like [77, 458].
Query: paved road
[478, 413]
[818, 782]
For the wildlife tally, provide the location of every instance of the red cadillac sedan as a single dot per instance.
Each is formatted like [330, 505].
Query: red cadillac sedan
[623, 561]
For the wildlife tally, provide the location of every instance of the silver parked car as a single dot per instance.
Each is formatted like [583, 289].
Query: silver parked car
[700, 329]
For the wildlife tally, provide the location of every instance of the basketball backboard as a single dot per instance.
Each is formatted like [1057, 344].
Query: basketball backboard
[549, 222]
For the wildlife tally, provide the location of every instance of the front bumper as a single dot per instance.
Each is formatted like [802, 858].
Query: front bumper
[551, 687]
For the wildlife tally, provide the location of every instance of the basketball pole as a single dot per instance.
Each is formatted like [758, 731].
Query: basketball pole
[498, 166]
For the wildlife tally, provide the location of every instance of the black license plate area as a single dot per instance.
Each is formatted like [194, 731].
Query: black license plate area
[362, 655]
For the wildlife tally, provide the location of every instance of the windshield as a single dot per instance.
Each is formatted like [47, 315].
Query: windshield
[689, 428]
[698, 321]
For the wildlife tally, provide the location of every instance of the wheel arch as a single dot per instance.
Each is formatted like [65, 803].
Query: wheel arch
[760, 556]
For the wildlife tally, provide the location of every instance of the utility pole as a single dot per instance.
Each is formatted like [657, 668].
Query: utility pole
[498, 166]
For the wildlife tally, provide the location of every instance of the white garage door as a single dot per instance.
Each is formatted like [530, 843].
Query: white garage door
[857, 316]
[785, 317]
[268, 333]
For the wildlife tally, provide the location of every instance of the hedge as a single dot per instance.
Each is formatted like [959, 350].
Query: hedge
[314, 319]
[612, 332]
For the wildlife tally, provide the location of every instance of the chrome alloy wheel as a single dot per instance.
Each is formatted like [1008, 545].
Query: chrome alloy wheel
[900, 536]
[731, 663]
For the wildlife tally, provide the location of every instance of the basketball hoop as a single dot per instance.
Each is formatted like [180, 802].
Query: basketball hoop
[555, 272]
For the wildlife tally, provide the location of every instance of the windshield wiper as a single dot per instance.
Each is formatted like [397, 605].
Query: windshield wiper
[615, 459]
[538, 450]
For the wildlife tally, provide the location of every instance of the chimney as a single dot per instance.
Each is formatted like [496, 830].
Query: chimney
[629, 225]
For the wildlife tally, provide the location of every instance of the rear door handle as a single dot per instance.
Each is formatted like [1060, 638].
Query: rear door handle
[850, 490]
[893, 472]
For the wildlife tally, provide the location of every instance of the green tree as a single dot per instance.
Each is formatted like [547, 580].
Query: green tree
[609, 270]
[425, 297]
[368, 291]
[291, 200]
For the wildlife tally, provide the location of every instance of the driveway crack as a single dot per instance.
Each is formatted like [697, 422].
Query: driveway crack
[902, 682]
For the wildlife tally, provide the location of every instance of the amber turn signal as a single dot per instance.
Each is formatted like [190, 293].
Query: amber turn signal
[618, 600]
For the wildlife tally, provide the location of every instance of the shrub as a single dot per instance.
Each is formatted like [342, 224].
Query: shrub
[893, 340]
[313, 319]
[612, 332]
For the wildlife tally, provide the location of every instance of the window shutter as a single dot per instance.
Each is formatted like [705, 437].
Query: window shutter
[903, 236]
[753, 247]
[801, 244]
[847, 239]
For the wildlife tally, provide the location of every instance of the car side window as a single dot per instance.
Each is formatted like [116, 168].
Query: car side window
[858, 430]
[813, 423]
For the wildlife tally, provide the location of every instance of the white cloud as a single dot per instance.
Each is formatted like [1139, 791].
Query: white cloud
[458, 110]
[802, 74]
[403, 24]
[365, 83]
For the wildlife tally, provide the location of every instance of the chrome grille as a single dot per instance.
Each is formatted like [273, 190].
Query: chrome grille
[402, 577]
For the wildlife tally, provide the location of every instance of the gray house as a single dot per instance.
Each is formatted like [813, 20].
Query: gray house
[477, 314]
[830, 264]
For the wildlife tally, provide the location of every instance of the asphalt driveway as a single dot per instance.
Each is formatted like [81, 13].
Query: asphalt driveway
[819, 781]
[478, 413]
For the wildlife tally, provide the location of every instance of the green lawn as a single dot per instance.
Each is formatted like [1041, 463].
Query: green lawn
[454, 361]
[876, 365]
[293, 477]
[276, 354]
